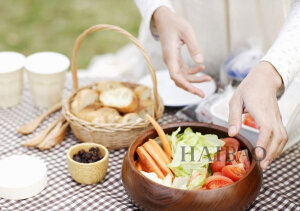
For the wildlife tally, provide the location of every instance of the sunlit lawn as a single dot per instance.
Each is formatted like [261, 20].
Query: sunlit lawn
[28, 26]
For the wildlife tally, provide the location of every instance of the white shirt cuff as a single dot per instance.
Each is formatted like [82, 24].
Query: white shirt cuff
[147, 8]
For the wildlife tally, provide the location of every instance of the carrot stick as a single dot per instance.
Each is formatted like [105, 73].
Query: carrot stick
[159, 150]
[162, 136]
[148, 163]
[138, 165]
[155, 154]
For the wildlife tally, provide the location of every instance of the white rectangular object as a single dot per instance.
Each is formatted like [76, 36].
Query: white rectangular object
[289, 105]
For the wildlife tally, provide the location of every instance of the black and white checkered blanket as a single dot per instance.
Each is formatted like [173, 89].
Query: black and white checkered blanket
[280, 190]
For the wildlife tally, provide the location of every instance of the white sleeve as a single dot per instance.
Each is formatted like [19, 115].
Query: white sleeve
[284, 54]
[147, 8]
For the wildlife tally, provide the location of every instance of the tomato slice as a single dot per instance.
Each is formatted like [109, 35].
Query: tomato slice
[249, 121]
[231, 144]
[242, 157]
[213, 182]
[234, 172]
[203, 187]
[217, 174]
[219, 162]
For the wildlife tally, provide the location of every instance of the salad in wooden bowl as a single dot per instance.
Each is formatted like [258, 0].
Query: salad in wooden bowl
[191, 165]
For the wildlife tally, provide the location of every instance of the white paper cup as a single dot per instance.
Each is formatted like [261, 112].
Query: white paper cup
[11, 78]
[46, 75]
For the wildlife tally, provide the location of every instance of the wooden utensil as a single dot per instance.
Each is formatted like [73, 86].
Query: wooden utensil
[41, 136]
[32, 125]
[149, 195]
[56, 136]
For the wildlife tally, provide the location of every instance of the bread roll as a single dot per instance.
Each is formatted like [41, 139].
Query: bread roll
[106, 115]
[89, 113]
[143, 93]
[146, 103]
[122, 98]
[82, 99]
[146, 107]
[130, 118]
[147, 110]
[108, 85]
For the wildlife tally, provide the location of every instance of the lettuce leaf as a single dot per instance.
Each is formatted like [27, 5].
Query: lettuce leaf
[167, 181]
[192, 151]
[180, 182]
[197, 179]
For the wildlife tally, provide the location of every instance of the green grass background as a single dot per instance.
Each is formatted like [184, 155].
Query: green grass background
[29, 26]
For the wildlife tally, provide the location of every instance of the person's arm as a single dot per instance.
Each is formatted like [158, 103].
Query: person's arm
[257, 92]
[174, 32]
[284, 54]
[147, 8]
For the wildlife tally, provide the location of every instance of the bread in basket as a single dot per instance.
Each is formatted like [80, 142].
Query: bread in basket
[88, 108]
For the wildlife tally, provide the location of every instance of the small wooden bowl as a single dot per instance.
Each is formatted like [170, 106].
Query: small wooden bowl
[149, 195]
[87, 173]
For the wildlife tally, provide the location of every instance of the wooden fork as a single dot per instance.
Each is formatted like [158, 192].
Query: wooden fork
[32, 125]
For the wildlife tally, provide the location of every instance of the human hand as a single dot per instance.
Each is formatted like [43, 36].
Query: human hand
[174, 32]
[257, 95]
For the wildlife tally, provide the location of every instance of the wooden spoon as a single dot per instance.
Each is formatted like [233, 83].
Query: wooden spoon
[32, 125]
[41, 136]
[56, 136]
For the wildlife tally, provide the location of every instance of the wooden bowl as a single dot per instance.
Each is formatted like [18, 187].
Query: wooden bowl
[87, 173]
[149, 195]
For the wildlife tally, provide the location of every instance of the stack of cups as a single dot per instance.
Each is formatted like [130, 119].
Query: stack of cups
[11, 78]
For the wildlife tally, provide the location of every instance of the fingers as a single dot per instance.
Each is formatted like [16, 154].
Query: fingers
[173, 61]
[180, 80]
[179, 72]
[276, 145]
[264, 137]
[196, 69]
[235, 115]
[284, 141]
[186, 85]
[189, 38]
[189, 74]
[198, 79]
[283, 133]
[271, 149]
[184, 80]
[275, 136]
[273, 141]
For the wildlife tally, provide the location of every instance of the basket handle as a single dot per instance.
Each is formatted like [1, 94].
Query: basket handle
[103, 27]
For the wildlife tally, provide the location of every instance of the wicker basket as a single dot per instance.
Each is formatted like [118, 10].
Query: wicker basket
[113, 136]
